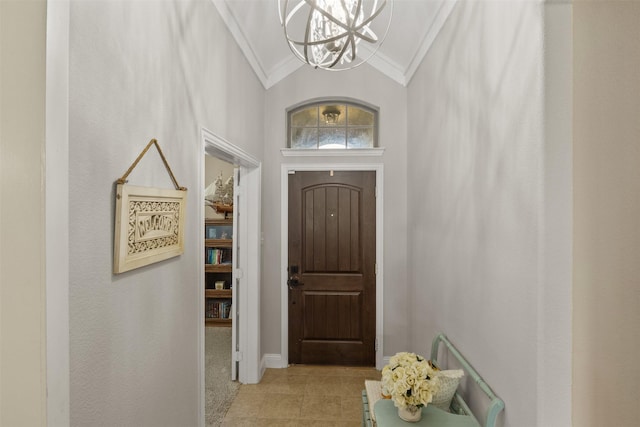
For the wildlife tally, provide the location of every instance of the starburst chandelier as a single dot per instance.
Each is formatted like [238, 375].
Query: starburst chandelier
[326, 33]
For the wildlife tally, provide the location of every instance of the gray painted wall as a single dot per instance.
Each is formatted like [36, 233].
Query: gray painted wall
[476, 214]
[142, 70]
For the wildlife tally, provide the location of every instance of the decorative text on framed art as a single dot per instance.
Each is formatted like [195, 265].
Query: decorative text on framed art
[149, 222]
[149, 226]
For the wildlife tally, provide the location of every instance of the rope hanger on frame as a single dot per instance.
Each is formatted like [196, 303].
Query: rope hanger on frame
[123, 179]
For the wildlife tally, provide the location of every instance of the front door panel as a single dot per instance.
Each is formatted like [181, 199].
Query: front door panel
[332, 268]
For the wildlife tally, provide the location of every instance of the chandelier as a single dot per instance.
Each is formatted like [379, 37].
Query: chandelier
[326, 33]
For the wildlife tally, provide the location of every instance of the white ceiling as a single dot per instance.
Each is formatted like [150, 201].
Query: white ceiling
[256, 27]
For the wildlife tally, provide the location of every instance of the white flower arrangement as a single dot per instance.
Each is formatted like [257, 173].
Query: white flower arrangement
[409, 380]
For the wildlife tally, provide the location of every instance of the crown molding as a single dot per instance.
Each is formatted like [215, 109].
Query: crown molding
[384, 64]
[282, 70]
[237, 33]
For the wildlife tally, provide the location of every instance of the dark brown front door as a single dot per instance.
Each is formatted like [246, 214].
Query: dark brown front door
[332, 303]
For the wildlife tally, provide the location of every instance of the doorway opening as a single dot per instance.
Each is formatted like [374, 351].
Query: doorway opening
[289, 169]
[221, 335]
[244, 247]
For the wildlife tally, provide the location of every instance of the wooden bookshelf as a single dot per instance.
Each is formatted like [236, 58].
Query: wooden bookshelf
[216, 293]
[218, 322]
[218, 268]
[219, 243]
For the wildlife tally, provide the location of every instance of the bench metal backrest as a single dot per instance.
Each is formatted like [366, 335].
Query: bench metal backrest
[496, 404]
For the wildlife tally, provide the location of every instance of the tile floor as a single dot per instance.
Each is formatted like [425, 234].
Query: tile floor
[302, 396]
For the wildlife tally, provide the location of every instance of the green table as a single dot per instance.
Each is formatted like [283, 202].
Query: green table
[386, 415]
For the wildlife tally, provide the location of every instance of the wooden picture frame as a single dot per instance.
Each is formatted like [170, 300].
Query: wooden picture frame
[149, 226]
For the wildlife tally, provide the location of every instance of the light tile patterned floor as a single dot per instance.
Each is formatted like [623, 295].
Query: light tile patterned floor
[299, 396]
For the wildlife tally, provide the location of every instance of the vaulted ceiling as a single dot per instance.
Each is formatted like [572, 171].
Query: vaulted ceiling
[255, 25]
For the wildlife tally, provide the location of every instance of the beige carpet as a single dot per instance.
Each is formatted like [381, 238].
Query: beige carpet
[219, 389]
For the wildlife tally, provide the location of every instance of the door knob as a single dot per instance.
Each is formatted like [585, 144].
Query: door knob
[294, 281]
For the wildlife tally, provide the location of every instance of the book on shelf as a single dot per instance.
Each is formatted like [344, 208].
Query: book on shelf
[218, 309]
[217, 256]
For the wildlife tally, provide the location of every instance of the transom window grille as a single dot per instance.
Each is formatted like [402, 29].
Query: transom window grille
[338, 124]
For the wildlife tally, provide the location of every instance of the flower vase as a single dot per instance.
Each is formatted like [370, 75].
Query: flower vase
[410, 413]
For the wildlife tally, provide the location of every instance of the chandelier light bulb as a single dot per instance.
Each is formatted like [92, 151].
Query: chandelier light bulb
[326, 33]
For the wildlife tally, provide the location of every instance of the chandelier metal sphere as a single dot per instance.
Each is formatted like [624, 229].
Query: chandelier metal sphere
[326, 33]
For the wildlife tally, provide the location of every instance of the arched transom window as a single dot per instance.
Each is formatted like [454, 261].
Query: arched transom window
[332, 124]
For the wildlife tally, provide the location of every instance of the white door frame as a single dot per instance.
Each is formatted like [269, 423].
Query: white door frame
[288, 168]
[248, 271]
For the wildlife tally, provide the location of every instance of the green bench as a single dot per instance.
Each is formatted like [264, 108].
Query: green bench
[460, 414]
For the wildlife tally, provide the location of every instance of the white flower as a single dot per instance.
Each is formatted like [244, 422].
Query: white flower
[409, 379]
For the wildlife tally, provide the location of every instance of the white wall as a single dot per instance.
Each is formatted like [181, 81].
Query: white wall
[22, 285]
[607, 211]
[370, 86]
[479, 205]
[142, 70]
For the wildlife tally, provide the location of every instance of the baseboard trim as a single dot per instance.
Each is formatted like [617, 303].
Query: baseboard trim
[271, 361]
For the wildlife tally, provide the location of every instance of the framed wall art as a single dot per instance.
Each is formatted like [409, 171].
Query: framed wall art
[149, 222]
[149, 226]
